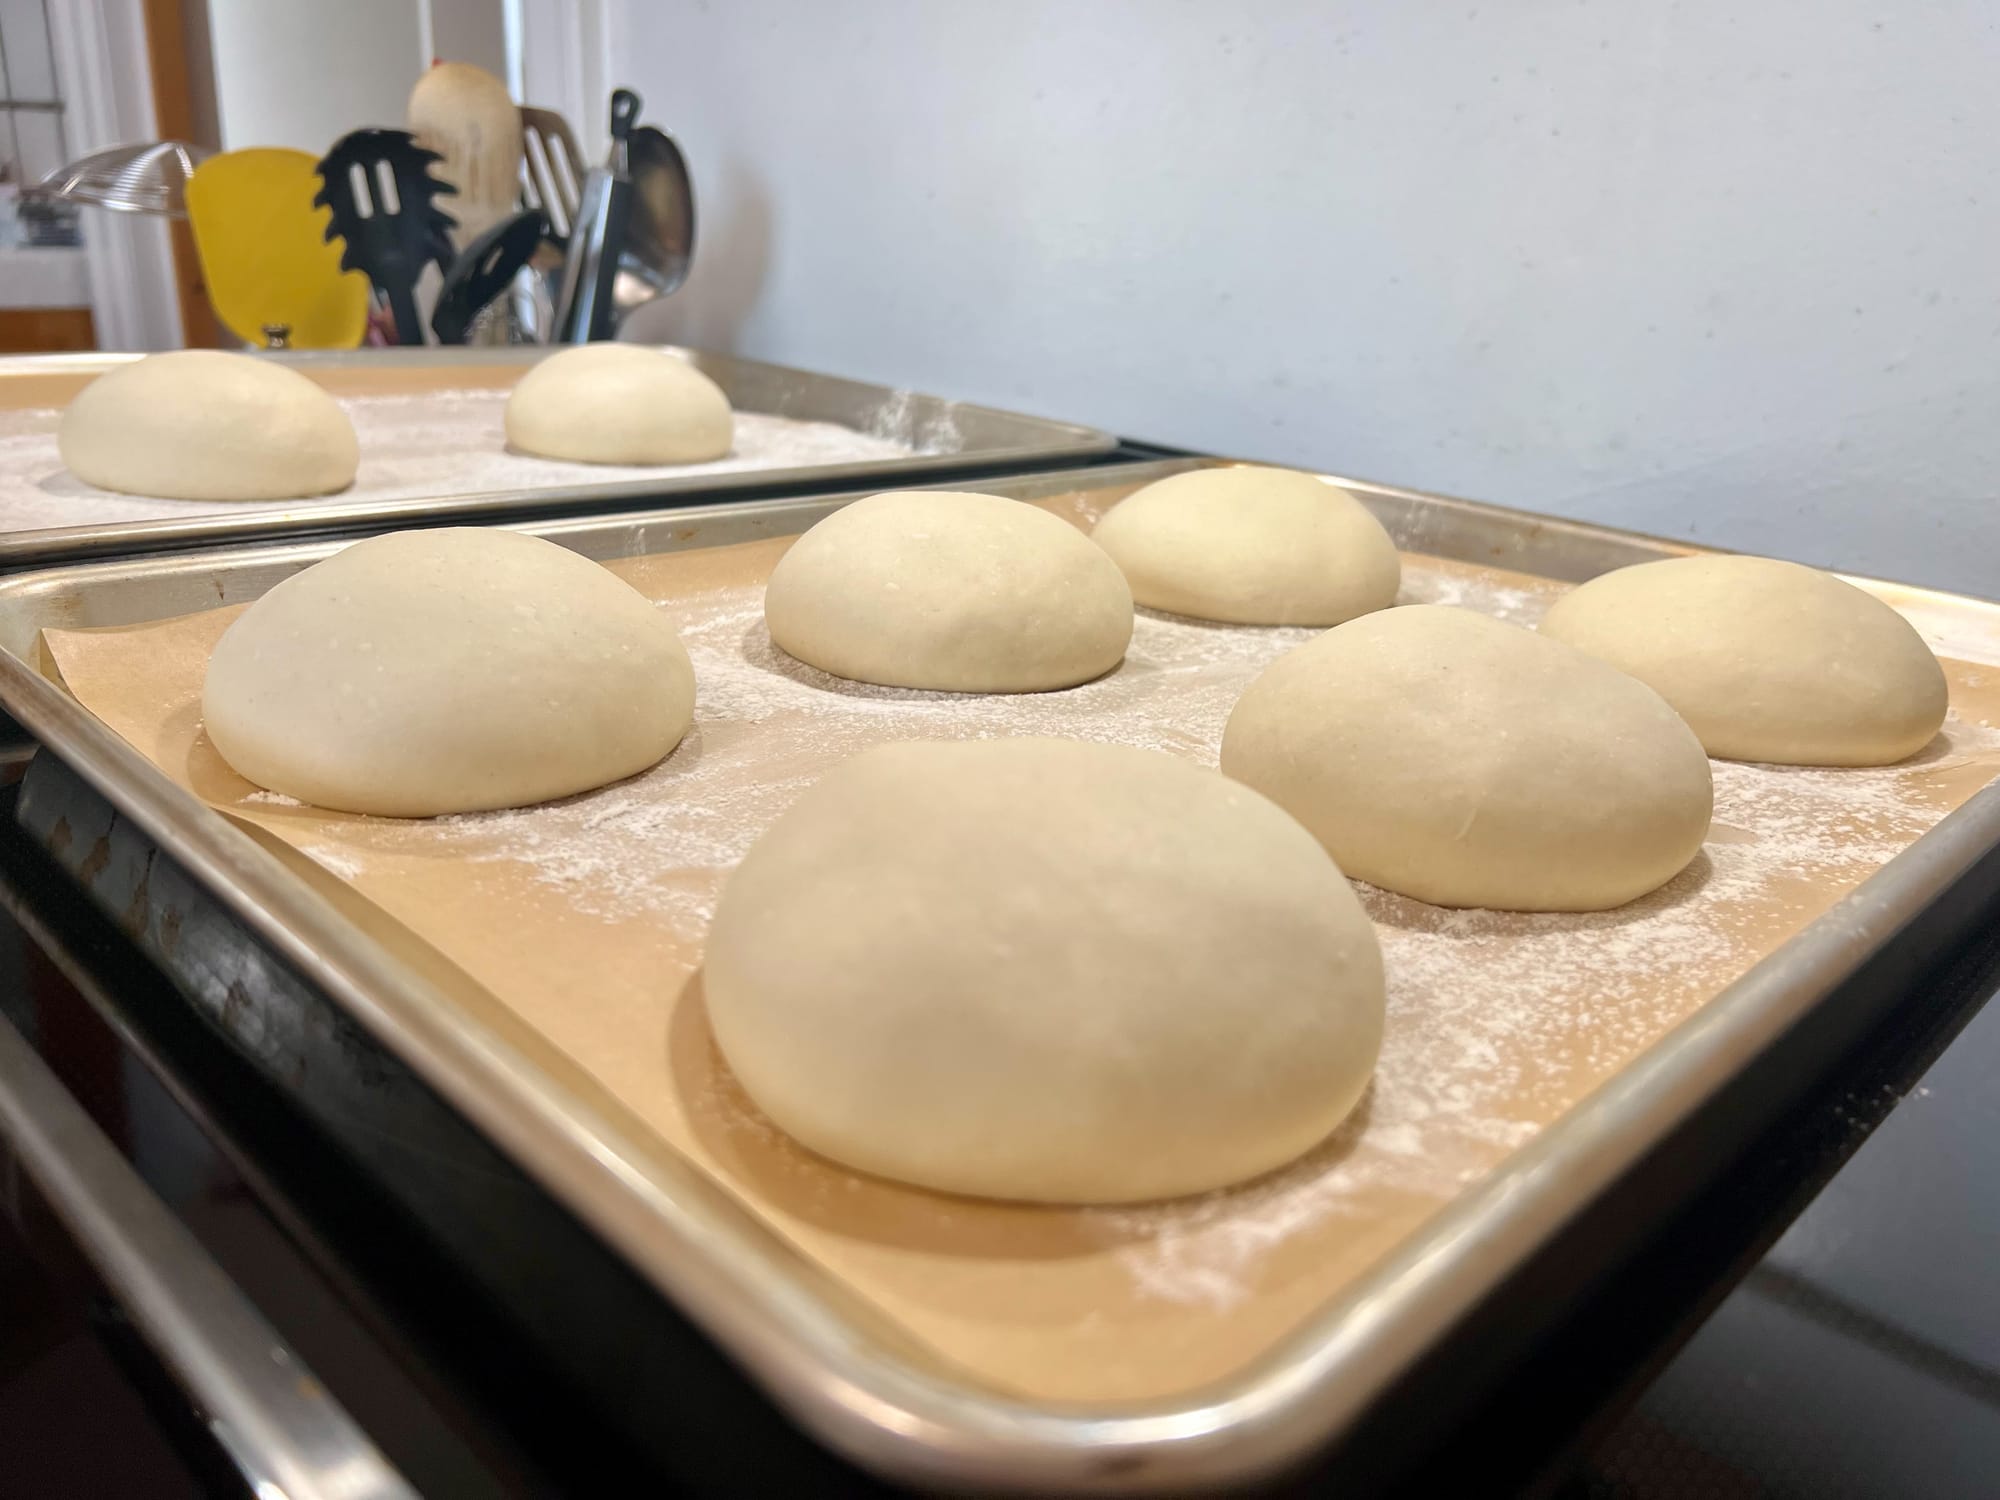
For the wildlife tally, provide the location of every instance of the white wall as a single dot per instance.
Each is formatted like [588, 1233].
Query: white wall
[1722, 269]
[302, 73]
[472, 31]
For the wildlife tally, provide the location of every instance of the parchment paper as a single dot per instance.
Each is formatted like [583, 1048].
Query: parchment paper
[584, 920]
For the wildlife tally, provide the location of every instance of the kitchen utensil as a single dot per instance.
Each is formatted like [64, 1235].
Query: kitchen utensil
[552, 167]
[531, 301]
[659, 242]
[485, 269]
[379, 187]
[272, 275]
[552, 173]
[584, 311]
[143, 179]
[465, 114]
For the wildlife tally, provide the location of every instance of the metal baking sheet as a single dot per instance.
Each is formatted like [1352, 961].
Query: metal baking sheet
[860, 1385]
[946, 437]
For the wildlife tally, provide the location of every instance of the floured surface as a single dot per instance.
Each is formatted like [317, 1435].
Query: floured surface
[585, 918]
[414, 445]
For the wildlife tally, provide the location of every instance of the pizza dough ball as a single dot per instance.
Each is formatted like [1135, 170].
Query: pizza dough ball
[958, 592]
[609, 403]
[1252, 546]
[1767, 660]
[1465, 762]
[447, 671]
[1044, 970]
[199, 424]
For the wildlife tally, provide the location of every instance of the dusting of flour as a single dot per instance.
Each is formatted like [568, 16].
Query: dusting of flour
[442, 443]
[1497, 1021]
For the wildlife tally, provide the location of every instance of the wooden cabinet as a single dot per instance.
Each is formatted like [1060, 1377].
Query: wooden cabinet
[45, 330]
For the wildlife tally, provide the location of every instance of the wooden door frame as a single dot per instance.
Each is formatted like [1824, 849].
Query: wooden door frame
[184, 110]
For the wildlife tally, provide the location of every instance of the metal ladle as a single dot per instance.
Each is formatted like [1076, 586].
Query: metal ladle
[659, 238]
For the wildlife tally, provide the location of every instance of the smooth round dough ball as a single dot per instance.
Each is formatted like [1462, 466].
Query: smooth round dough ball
[608, 403]
[957, 592]
[1044, 970]
[1252, 546]
[1466, 762]
[199, 424]
[1767, 660]
[429, 672]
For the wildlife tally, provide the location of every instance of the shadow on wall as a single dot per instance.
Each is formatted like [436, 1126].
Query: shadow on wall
[732, 252]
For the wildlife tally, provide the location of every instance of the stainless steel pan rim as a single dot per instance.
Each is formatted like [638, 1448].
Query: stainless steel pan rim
[831, 1362]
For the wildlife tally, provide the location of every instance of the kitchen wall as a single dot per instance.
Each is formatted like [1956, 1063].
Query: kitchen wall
[302, 74]
[473, 31]
[1717, 269]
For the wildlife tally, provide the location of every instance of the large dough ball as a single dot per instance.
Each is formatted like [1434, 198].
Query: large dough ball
[1252, 546]
[1045, 970]
[199, 424]
[609, 403]
[958, 592]
[1447, 756]
[1767, 660]
[447, 671]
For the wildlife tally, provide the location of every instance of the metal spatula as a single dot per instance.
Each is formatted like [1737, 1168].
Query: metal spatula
[552, 167]
[379, 188]
[599, 235]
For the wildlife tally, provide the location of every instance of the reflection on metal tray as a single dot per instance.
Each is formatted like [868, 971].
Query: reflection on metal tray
[950, 437]
[820, 1356]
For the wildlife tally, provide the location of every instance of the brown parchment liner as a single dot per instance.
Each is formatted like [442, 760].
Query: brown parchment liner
[1039, 1302]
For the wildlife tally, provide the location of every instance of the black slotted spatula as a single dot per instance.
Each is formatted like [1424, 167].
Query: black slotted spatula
[378, 186]
[484, 269]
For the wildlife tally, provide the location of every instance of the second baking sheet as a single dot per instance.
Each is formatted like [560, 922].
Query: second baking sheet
[585, 920]
[415, 445]
[433, 446]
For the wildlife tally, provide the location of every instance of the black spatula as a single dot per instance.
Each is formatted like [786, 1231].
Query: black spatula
[379, 188]
[484, 269]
